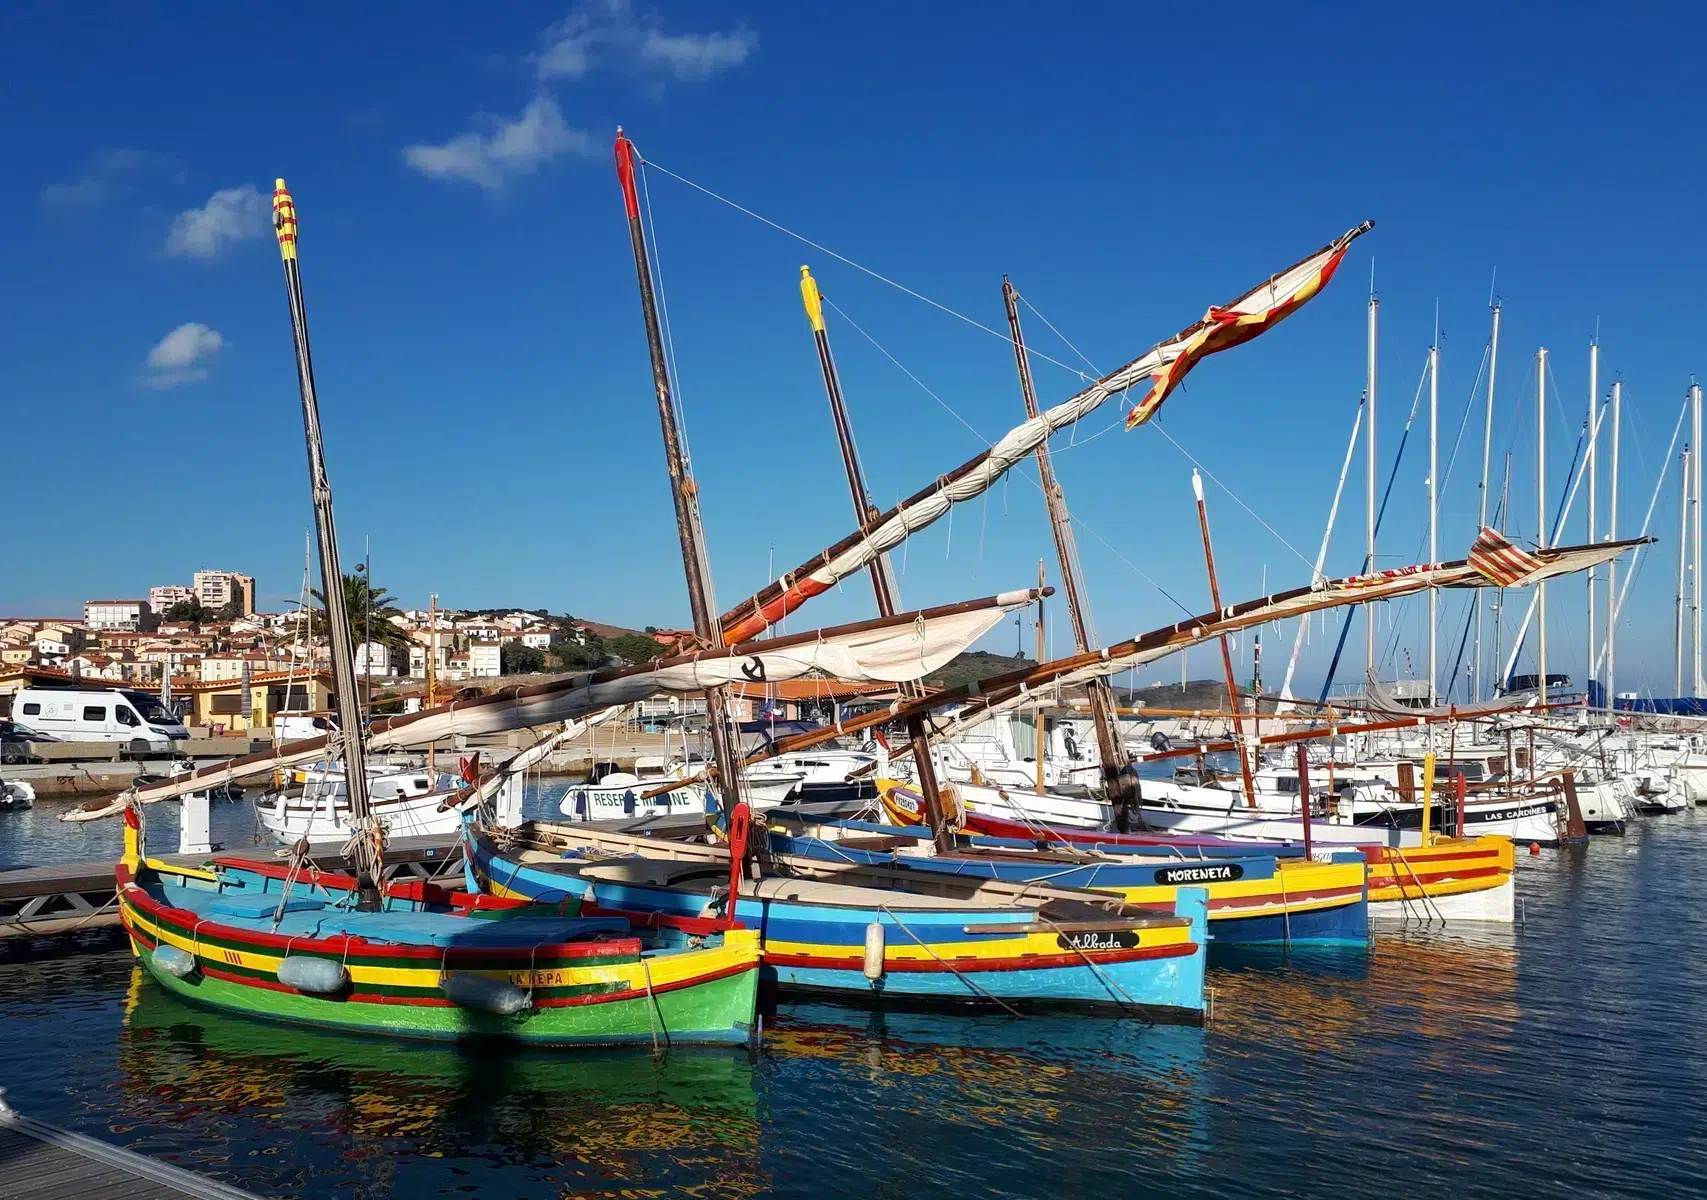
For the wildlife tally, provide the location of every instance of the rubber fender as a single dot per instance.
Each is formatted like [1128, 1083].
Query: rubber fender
[321, 976]
[175, 962]
[496, 996]
[874, 951]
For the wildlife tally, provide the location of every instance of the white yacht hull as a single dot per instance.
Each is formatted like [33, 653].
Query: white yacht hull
[290, 819]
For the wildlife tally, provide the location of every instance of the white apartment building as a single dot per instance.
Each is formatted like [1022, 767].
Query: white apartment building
[129, 616]
[373, 658]
[485, 659]
[216, 589]
[167, 594]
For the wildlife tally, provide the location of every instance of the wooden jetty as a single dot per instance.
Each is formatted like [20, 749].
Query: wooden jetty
[41, 1162]
[65, 898]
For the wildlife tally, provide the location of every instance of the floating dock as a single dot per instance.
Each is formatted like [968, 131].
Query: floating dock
[42, 1162]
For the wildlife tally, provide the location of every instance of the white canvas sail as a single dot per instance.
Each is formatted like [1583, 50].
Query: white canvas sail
[1261, 308]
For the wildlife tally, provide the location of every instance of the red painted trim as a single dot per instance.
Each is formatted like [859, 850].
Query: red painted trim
[186, 923]
[625, 175]
[976, 966]
[207, 968]
[1237, 902]
[697, 926]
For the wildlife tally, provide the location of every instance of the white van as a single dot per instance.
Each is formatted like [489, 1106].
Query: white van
[112, 715]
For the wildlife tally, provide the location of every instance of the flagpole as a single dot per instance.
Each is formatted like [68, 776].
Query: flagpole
[1433, 505]
[1682, 570]
[1612, 535]
[883, 583]
[1541, 505]
[1482, 503]
[1226, 654]
[1369, 482]
[1695, 538]
[1590, 464]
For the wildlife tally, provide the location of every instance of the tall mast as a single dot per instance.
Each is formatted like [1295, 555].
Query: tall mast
[1682, 570]
[1541, 504]
[1700, 685]
[1433, 503]
[1612, 536]
[1590, 466]
[365, 846]
[1370, 503]
[684, 491]
[1482, 503]
[1226, 653]
[1118, 779]
[883, 584]
[1499, 596]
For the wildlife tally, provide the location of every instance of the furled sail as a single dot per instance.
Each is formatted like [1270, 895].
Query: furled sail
[1166, 364]
[899, 649]
[986, 697]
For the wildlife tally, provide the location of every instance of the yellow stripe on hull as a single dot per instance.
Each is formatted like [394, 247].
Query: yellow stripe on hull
[1292, 889]
[740, 946]
[1449, 867]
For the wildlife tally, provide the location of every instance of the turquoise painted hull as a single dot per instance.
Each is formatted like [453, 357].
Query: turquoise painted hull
[816, 948]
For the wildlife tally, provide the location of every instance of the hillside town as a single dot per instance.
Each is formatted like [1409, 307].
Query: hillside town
[228, 668]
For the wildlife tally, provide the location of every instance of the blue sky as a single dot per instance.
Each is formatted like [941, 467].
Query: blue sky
[479, 352]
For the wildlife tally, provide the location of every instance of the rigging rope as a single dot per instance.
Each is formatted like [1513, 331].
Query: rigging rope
[881, 278]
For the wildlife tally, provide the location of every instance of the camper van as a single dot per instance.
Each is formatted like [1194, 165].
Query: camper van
[115, 715]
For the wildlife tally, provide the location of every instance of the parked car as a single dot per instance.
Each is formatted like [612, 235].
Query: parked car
[16, 741]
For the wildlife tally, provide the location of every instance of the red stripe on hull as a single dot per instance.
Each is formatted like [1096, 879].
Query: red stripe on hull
[273, 985]
[975, 966]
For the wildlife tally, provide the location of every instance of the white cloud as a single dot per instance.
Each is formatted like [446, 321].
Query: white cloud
[178, 356]
[506, 148]
[695, 55]
[611, 32]
[230, 215]
[110, 174]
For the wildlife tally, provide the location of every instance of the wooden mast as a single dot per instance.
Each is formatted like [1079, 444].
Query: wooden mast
[883, 584]
[1120, 786]
[684, 491]
[365, 846]
[1226, 653]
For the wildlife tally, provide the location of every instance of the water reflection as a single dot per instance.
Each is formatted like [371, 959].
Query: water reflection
[593, 1119]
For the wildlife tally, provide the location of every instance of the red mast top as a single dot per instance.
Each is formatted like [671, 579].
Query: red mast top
[625, 173]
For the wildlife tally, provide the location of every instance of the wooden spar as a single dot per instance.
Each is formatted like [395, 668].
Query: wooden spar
[1118, 779]
[683, 490]
[1226, 652]
[1158, 642]
[883, 583]
[366, 845]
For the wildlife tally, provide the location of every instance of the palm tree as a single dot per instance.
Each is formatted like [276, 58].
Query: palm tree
[369, 610]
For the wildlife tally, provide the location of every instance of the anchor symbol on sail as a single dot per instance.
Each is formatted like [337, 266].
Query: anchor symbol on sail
[754, 669]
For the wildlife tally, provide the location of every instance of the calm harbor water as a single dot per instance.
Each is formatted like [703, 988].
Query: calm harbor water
[1566, 1056]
